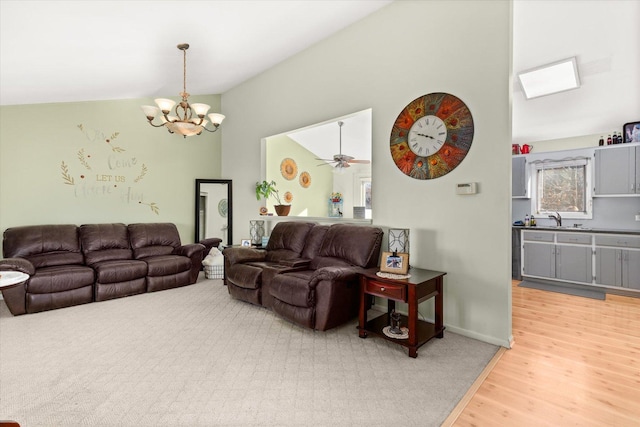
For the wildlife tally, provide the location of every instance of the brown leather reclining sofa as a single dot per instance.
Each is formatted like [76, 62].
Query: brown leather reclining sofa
[70, 265]
[308, 273]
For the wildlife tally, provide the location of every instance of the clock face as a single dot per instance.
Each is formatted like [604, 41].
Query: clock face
[427, 135]
[431, 136]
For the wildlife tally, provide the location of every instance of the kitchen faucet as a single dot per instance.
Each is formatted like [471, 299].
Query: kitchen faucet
[558, 219]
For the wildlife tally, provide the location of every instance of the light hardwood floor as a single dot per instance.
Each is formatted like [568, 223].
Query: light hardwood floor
[575, 361]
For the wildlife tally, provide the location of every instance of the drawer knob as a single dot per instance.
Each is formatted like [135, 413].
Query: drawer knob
[382, 289]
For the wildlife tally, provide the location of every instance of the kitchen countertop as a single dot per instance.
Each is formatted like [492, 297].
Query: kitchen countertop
[573, 229]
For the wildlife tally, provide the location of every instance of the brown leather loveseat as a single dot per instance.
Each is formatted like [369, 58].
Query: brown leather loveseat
[70, 265]
[308, 273]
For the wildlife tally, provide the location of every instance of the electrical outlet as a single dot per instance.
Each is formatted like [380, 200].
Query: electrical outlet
[638, 217]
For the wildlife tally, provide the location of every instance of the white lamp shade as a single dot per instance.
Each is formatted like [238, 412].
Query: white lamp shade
[216, 118]
[150, 111]
[200, 109]
[165, 104]
[399, 240]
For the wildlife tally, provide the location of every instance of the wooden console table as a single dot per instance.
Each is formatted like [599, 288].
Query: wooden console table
[421, 286]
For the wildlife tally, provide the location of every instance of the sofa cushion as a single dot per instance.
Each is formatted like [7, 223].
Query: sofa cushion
[166, 265]
[153, 239]
[359, 245]
[293, 288]
[290, 236]
[314, 241]
[104, 242]
[60, 278]
[50, 301]
[120, 270]
[44, 245]
[245, 276]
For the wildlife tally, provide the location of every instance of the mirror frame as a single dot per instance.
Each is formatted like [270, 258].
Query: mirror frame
[229, 208]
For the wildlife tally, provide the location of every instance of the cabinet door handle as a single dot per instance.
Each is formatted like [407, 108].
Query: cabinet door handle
[382, 289]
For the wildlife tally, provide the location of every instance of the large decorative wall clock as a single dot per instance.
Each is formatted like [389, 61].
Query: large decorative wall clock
[431, 136]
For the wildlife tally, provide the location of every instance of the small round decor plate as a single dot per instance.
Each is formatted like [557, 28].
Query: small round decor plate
[223, 208]
[288, 168]
[305, 179]
[403, 336]
[440, 114]
[288, 197]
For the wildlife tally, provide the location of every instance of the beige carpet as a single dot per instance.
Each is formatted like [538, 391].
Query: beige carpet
[195, 357]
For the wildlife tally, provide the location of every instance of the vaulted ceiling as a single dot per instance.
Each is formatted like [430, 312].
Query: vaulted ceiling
[64, 51]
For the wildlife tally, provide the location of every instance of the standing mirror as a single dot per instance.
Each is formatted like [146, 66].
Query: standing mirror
[214, 210]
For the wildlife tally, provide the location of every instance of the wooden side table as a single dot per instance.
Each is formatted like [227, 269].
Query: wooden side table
[421, 286]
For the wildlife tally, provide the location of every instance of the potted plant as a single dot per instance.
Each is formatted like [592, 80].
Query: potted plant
[266, 189]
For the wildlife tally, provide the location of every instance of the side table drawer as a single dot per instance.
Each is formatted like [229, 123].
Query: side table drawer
[385, 290]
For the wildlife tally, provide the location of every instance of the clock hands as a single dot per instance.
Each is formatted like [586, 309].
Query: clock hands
[426, 136]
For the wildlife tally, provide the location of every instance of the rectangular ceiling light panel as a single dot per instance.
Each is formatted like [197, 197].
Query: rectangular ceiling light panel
[551, 78]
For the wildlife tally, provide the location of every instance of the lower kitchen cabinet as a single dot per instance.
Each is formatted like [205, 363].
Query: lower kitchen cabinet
[571, 263]
[618, 261]
[582, 257]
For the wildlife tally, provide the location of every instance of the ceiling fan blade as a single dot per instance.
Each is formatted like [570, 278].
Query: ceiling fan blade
[360, 161]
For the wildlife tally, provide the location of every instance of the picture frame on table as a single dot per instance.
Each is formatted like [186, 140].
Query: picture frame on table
[631, 132]
[394, 262]
[245, 243]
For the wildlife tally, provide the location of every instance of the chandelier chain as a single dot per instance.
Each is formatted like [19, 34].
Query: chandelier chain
[184, 72]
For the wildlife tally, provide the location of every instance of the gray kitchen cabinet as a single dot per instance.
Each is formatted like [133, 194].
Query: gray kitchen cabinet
[545, 255]
[539, 260]
[573, 263]
[617, 170]
[519, 178]
[618, 261]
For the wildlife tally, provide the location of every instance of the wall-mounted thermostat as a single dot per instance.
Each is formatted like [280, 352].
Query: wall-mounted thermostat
[467, 188]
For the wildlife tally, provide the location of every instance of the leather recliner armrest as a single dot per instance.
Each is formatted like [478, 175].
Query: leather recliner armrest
[334, 274]
[17, 264]
[296, 262]
[189, 249]
[243, 255]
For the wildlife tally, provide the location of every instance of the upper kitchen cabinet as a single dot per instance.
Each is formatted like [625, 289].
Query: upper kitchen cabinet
[617, 170]
[519, 177]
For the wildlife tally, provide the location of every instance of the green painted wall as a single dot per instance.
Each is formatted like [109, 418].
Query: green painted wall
[402, 51]
[116, 168]
[310, 201]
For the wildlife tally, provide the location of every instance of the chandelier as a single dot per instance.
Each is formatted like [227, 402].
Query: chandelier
[188, 119]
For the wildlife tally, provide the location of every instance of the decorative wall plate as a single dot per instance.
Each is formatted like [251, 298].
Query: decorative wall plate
[288, 168]
[223, 208]
[288, 197]
[431, 136]
[305, 179]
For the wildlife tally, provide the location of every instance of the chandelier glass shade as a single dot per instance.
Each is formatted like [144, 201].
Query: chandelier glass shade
[187, 119]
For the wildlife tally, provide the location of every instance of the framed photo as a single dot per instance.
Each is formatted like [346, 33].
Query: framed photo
[397, 263]
[631, 132]
[245, 243]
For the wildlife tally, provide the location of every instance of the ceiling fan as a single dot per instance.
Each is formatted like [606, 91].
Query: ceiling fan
[342, 160]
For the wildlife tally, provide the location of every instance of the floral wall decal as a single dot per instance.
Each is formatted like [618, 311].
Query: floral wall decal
[113, 173]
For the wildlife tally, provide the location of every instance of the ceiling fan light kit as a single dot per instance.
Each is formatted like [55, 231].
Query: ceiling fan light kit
[188, 119]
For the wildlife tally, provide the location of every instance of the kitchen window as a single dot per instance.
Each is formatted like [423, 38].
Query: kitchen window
[562, 186]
